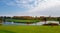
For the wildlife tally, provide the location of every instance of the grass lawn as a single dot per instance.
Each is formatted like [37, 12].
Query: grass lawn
[29, 29]
[15, 20]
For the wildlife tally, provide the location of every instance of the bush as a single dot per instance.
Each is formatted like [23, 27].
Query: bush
[51, 24]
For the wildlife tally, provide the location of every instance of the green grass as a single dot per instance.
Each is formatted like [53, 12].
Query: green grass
[15, 20]
[29, 29]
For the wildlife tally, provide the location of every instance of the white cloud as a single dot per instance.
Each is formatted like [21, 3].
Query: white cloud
[27, 3]
[45, 5]
[54, 11]
[49, 7]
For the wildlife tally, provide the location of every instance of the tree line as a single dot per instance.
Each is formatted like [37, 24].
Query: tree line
[31, 18]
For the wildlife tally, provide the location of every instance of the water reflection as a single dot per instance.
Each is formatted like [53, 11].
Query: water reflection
[8, 22]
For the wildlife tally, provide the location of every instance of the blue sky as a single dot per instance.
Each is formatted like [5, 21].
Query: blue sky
[10, 9]
[29, 7]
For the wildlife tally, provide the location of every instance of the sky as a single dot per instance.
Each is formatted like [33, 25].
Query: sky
[29, 7]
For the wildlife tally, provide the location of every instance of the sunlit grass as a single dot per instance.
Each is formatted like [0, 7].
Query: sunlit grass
[15, 20]
[31, 29]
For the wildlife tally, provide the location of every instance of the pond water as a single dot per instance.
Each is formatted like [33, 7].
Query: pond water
[13, 23]
[38, 23]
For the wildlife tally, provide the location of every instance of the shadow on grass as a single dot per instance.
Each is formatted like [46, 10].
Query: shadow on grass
[6, 31]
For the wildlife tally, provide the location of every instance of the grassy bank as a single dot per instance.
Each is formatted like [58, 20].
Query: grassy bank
[15, 20]
[29, 29]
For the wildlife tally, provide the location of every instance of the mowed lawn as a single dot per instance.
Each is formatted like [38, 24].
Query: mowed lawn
[15, 20]
[29, 29]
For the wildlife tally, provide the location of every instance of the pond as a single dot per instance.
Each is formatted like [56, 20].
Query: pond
[38, 23]
[13, 23]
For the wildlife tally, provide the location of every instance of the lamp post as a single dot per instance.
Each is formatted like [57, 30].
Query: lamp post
[11, 21]
[45, 20]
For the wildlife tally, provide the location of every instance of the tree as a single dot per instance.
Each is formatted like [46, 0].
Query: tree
[58, 19]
